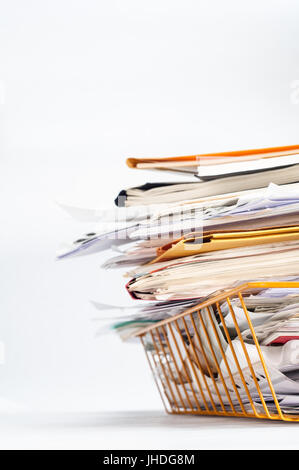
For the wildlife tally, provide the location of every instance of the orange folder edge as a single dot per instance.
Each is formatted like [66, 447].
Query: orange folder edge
[132, 162]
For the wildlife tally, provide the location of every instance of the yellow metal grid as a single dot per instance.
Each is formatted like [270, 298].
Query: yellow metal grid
[190, 382]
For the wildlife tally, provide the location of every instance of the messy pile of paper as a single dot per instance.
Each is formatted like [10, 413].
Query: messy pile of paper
[237, 220]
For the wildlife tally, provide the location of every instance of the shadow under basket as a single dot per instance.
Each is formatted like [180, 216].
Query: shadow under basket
[202, 364]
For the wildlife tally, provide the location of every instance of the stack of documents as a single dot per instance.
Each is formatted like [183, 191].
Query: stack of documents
[236, 220]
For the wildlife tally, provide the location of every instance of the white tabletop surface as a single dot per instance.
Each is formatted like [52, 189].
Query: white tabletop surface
[142, 430]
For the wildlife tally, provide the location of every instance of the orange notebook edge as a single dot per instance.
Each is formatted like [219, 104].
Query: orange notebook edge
[132, 162]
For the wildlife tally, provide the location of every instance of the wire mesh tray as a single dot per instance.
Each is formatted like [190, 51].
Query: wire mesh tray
[203, 366]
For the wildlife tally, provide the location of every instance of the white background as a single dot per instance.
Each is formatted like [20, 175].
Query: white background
[83, 85]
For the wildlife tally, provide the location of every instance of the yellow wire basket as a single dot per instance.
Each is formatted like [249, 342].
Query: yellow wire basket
[203, 366]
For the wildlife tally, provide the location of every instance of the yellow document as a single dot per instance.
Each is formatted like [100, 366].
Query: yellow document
[194, 245]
